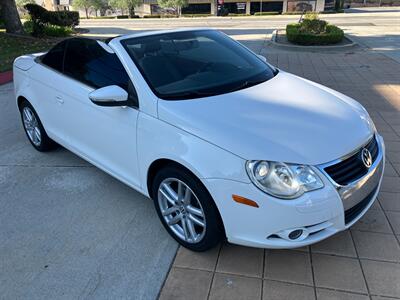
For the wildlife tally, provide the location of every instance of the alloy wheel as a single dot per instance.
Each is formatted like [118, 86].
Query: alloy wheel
[31, 125]
[181, 210]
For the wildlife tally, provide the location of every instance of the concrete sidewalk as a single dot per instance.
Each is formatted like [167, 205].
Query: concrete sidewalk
[70, 231]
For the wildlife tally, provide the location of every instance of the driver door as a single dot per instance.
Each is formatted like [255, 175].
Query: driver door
[106, 136]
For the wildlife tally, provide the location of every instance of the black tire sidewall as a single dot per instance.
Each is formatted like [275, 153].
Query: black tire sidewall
[214, 228]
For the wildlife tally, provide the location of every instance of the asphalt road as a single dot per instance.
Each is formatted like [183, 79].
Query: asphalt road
[68, 230]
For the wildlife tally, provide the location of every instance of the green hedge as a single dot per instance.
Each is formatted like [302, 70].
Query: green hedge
[42, 18]
[267, 13]
[57, 31]
[237, 15]
[195, 15]
[332, 35]
[159, 16]
[48, 30]
[151, 16]
[59, 18]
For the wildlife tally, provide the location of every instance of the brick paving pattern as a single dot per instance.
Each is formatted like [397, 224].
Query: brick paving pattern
[360, 263]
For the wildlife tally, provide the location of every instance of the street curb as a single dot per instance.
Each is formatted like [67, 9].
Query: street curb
[274, 43]
[6, 77]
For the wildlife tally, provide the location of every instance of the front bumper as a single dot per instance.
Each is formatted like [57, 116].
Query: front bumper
[320, 213]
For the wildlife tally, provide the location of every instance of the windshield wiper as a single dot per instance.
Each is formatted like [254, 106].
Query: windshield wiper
[188, 95]
[246, 84]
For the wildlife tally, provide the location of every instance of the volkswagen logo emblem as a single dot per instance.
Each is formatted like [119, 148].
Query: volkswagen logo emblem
[366, 158]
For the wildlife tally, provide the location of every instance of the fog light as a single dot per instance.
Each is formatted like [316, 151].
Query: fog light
[295, 234]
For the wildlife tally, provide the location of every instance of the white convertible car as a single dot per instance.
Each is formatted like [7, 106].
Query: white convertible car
[225, 144]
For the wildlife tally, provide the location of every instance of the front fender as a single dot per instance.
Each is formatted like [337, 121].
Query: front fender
[157, 139]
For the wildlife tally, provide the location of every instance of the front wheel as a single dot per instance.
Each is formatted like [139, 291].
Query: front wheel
[186, 209]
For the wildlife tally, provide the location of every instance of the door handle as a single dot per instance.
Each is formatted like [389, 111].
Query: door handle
[59, 99]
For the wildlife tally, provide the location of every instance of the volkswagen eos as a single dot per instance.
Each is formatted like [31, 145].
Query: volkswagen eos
[227, 145]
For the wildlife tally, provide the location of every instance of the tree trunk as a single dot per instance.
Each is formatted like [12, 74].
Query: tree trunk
[131, 11]
[11, 18]
[86, 11]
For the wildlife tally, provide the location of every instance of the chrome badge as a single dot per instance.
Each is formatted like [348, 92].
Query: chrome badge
[366, 158]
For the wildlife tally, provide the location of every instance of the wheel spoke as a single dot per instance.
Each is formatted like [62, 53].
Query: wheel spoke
[196, 220]
[191, 229]
[180, 190]
[27, 123]
[188, 196]
[169, 193]
[175, 220]
[195, 211]
[185, 229]
[28, 114]
[37, 134]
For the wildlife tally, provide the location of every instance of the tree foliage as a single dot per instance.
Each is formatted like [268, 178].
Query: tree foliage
[174, 4]
[22, 3]
[126, 4]
[100, 5]
[83, 4]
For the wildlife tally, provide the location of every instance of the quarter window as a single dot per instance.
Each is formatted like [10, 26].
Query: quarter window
[55, 57]
[88, 62]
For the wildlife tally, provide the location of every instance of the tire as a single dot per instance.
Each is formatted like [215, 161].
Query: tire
[33, 128]
[186, 212]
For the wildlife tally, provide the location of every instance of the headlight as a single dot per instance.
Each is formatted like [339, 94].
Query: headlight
[283, 180]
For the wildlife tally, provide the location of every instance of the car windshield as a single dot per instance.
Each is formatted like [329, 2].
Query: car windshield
[194, 64]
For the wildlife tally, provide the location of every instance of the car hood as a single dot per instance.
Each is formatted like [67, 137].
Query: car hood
[287, 119]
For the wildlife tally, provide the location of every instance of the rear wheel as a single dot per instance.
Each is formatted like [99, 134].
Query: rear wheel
[186, 209]
[34, 129]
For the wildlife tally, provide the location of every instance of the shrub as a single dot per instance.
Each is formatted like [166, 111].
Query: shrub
[298, 35]
[195, 15]
[311, 16]
[313, 26]
[101, 17]
[36, 12]
[62, 18]
[237, 15]
[42, 18]
[57, 31]
[28, 26]
[223, 12]
[266, 13]
[123, 17]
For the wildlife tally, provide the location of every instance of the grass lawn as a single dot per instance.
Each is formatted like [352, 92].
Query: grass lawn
[12, 47]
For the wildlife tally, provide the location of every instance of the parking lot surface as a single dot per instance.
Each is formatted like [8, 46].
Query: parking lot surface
[361, 263]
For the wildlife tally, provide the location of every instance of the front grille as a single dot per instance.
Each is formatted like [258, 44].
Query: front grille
[352, 213]
[352, 168]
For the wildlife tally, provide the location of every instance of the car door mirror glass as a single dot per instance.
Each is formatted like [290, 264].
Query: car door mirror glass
[112, 95]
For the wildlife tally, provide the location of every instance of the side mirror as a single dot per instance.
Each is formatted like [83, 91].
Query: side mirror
[111, 95]
[262, 58]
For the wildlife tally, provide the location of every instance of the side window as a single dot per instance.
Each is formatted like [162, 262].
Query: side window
[88, 62]
[55, 57]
